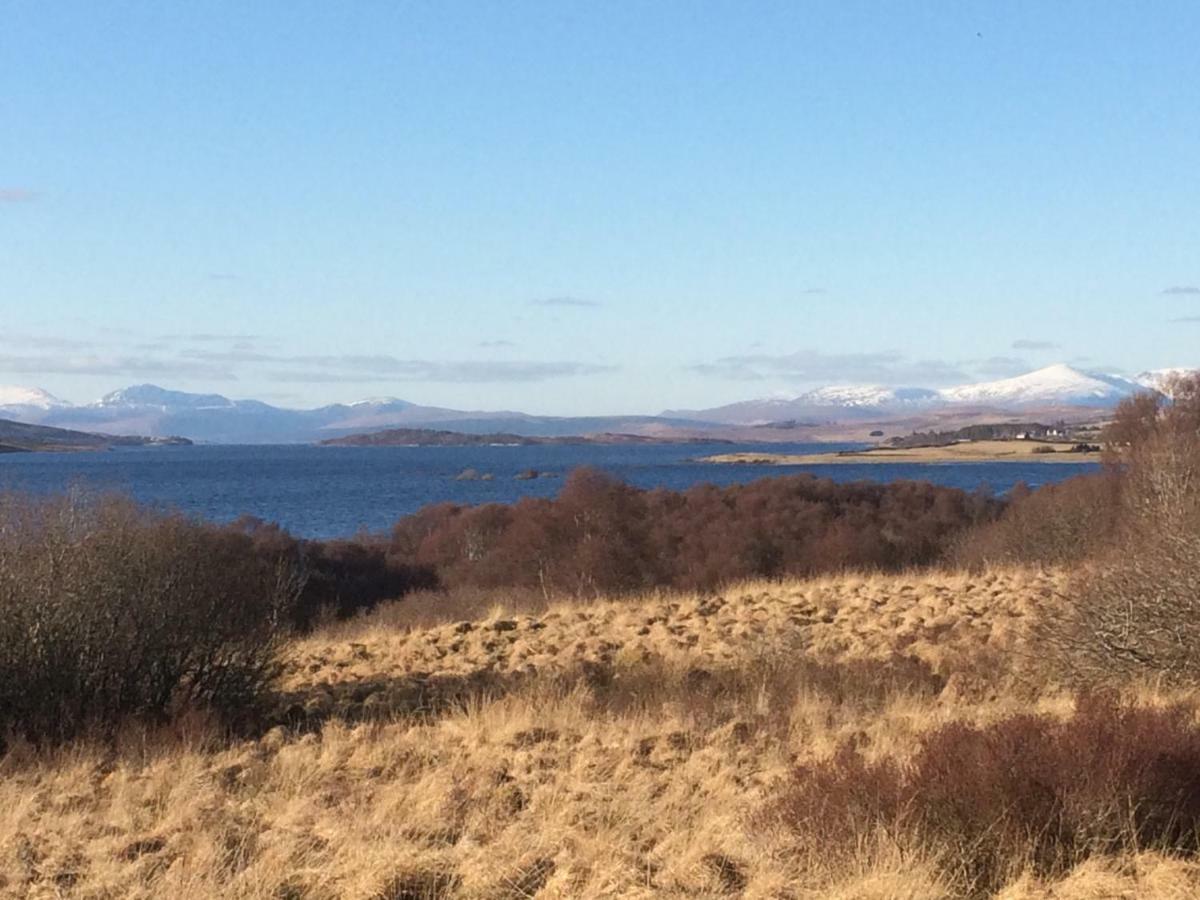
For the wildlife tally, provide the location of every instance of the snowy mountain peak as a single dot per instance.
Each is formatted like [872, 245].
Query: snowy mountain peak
[31, 397]
[1054, 387]
[1160, 379]
[395, 402]
[151, 395]
[1059, 384]
[867, 396]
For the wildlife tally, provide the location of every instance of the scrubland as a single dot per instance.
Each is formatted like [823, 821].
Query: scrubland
[1018, 718]
[628, 748]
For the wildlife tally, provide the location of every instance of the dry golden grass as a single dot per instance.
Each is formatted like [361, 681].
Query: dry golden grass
[612, 749]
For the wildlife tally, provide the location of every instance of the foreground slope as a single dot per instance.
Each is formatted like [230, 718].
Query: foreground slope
[609, 749]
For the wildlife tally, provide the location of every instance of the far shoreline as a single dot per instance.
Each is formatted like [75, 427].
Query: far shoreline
[964, 452]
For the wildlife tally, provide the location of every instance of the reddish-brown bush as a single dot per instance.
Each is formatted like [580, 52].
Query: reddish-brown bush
[1057, 524]
[340, 578]
[601, 536]
[1027, 791]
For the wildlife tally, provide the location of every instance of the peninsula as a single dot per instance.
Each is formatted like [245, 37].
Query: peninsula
[965, 451]
[21, 437]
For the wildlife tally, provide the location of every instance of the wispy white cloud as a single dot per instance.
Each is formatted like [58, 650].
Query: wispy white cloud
[385, 368]
[42, 342]
[1027, 344]
[567, 302]
[352, 367]
[816, 367]
[999, 366]
[209, 337]
[17, 195]
[1182, 290]
[115, 365]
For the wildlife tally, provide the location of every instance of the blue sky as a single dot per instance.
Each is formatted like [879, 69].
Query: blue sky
[589, 208]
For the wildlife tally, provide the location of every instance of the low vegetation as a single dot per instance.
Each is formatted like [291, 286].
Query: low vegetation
[600, 536]
[1026, 794]
[786, 690]
[340, 578]
[108, 611]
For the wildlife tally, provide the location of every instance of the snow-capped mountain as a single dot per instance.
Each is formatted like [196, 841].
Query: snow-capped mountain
[34, 398]
[1057, 385]
[849, 402]
[152, 396]
[871, 396]
[1160, 379]
[1058, 391]
[150, 410]
[394, 402]
[153, 411]
[1054, 388]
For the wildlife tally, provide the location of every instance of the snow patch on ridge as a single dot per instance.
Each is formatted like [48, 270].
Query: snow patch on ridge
[1057, 384]
[1160, 379]
[11, 395]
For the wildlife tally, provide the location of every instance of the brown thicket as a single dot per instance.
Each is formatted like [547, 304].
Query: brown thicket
[600, 536]
[1025, 793]
[340, 578]
[1136, 609]
[1055, 525]
[108, 611]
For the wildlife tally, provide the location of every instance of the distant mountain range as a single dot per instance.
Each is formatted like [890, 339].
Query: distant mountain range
[211, 418]
[1059, 391]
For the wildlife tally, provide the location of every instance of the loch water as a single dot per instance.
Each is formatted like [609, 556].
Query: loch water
[325, 492]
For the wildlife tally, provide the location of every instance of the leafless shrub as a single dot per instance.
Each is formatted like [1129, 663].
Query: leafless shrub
[342, 578]
[108, 612]
[1058, 524]
[1137, 612]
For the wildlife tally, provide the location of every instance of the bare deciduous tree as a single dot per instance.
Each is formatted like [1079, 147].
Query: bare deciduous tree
[1137, 611]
